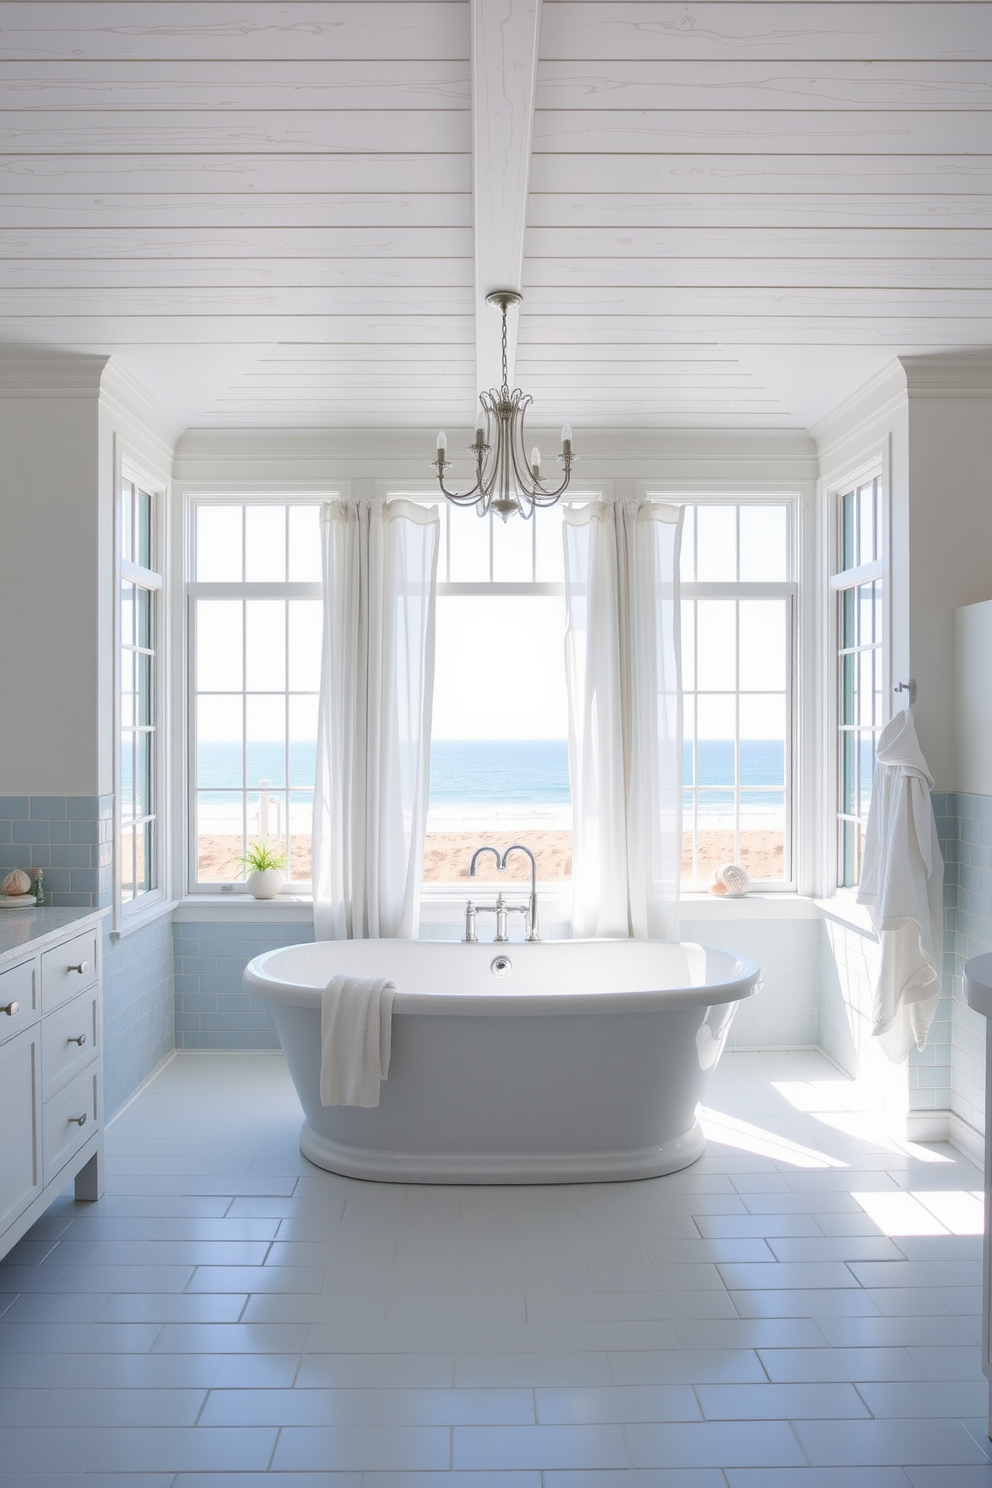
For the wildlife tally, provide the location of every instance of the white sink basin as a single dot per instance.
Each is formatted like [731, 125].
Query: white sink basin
[978, 983]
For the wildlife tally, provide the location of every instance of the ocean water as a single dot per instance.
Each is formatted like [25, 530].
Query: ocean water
[493, 774]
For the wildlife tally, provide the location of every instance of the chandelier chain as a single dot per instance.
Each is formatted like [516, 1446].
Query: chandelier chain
[506, 380]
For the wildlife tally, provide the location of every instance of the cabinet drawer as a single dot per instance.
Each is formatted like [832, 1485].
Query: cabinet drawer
[66, 969]
[20, 985]
[20, 1125]
[69, 1039]
[70, 1119]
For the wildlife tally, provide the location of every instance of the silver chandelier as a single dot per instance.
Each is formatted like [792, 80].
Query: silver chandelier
[504, 481]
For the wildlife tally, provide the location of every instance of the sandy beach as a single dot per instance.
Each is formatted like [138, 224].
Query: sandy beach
[447, 856]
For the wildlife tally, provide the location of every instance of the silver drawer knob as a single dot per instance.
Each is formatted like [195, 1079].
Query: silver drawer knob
[80, 1040]
[11, 1009]
[78, 1120]
[83, 966]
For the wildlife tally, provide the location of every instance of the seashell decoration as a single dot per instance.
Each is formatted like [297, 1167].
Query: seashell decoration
[735, 880]
[17, 882]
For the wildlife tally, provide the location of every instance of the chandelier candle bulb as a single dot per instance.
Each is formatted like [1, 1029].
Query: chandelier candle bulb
[566, 439]
[535, 463]
[442, 444]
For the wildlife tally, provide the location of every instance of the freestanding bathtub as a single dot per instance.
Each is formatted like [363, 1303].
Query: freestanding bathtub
[557, 1062]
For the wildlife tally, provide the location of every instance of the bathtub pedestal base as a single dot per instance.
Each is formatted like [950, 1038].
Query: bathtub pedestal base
[496, 1167]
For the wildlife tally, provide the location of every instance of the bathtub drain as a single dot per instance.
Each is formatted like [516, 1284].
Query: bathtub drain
[502, 966]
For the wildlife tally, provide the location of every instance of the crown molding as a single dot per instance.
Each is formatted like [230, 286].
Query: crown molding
[856, 417]
[123, 394]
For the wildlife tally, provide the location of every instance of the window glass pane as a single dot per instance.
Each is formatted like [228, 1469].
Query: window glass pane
[219, 725]
[128, 811]
[265, 643]
[126, 857]
[513, 550]
[304, 644]
[219, 535]
[302, 741]
[304, 545]
[144, 858]
[716, 725]
[127, 690]
[300, 831]
[143, 616]
[716, 544]
[127, 613]
[764, 544]
[762, 644]
[865, 687]
[687, 561]
[550, 562]
[762, 718]
[266, 817]
[848, 632]
[143, 773]
[688, 629]
[531, 632]
[143, 534]
[847, 689]
[265, 725]
[867, 547]
[866, 614]
[143, 699]
[265, 544]
[127, 522]
[220, 837]
[219, 645]
[468, 547]
[848, 546]
[716, 643]
[849, 772]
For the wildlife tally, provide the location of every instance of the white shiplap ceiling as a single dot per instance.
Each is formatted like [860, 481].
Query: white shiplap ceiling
[721, 214]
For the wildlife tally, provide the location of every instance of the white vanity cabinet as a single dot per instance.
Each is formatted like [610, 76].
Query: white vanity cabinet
[50, 1063]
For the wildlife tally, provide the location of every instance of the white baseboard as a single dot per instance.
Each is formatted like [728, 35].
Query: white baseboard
[946, 1126]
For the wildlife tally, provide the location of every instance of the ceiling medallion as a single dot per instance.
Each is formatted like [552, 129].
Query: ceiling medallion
[504, 480]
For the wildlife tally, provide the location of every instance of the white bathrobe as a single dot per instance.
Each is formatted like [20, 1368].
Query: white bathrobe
[902, 883]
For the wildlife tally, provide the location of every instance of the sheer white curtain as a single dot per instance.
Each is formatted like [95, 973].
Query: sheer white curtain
[374, 721]
[623, 667]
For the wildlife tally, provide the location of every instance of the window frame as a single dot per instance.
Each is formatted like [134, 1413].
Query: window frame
[791, 590]
[870, 472]
[241, 495]
[128, 914]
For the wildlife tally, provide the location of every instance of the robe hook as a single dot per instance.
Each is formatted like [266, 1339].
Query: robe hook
[909, 687]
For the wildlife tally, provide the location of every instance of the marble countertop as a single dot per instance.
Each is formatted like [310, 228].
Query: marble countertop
[28, 930]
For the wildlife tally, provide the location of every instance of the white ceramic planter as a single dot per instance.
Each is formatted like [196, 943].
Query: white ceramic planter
[265, 883]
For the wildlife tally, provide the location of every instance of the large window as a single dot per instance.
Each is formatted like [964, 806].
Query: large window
[738, 622]
[499, 752]
[138, 766]
[254, 653]
[859, 587]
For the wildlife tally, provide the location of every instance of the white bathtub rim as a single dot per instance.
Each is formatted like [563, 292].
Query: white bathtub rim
[487, 1168]
[261, 978]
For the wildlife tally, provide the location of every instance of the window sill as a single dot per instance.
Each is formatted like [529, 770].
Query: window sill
[141, 919]
[844, 910]
[753, 906]
[243, 909]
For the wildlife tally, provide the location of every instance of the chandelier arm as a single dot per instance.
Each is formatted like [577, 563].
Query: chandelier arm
[463, 498]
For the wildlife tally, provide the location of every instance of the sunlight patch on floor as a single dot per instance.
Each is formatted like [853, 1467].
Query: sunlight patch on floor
[945, 1212]
[731, 1131]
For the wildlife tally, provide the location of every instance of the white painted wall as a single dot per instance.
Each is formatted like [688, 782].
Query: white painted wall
[49, 583]
[973, 698]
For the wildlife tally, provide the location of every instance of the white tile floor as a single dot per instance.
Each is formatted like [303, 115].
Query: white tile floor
[800, 1309]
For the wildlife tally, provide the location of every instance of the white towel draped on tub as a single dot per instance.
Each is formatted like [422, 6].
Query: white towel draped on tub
[356, 1015]
[902, 882]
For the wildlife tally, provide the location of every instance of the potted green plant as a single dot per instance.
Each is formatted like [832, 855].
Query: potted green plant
[265, 878]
